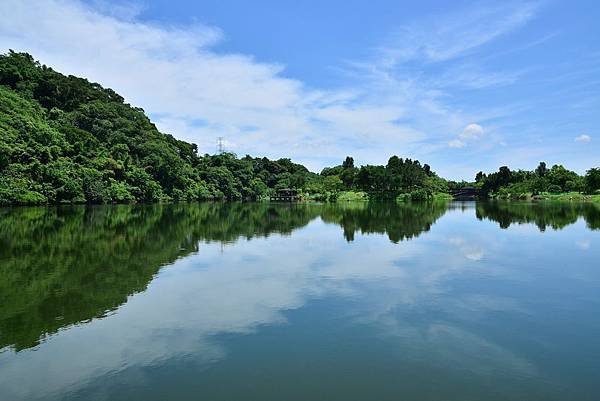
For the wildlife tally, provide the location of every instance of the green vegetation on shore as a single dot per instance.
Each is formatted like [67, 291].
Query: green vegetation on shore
[555, 183]
[67, 140]
[568, 197]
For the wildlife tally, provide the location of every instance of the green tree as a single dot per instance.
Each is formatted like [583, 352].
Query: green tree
[541, 169]
[333, 183]
[592, 180]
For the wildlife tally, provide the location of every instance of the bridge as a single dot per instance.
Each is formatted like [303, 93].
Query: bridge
[466, 193]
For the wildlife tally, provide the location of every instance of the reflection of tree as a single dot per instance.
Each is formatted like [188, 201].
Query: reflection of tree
[230, 220]
[399, 221]
[60, 266]
[556, 215]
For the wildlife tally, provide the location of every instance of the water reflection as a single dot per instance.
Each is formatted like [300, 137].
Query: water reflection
[556, 215]
[70, 264]
[400, 222]
[452, 297]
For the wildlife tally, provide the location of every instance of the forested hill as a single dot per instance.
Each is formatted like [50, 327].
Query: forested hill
[67, 140]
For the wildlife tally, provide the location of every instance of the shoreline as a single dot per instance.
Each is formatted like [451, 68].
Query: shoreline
[349, 197]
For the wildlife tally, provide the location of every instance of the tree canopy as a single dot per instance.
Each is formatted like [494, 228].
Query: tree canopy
[557, 179]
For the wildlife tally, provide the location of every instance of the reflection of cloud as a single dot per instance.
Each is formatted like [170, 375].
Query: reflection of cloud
[583, 244]
[250, 285]
[255, 283]
[457, 241]
[474, 254]
[470, 251]
[583, 138]
[476, 354]
[449, 344]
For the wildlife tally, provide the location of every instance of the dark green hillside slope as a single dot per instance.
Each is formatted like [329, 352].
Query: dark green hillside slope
[64, 139]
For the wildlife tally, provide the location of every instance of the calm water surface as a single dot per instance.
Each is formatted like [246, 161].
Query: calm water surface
[465, 301]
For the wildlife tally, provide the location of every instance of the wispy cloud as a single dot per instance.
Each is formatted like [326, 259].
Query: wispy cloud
[456, 143]
[445, 37]
[583, 138]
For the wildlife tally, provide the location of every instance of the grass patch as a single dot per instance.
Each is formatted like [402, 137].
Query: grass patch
[421, 195]
[442, 196]
[352, 196]
[568, 197]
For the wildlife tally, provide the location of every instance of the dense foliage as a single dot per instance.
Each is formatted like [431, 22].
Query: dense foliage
[398, 176]
[521, 183]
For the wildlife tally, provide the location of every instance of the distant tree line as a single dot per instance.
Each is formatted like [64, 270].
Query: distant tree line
[398, 176]
[555, 180]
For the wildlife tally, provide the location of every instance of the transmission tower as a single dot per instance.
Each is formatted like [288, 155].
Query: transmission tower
[220, 145]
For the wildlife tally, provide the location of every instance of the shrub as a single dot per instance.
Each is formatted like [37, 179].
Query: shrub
[420, 194]
[554, 189]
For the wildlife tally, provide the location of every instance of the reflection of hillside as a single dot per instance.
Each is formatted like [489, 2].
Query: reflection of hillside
[60, 266]
[399, 221]
[543, 214]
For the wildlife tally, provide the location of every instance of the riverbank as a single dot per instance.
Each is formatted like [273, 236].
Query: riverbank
[562, 197]
[359, 196]
[419, 195]
[568, 197]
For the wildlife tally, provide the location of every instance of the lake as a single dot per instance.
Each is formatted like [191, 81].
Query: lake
[258, 301]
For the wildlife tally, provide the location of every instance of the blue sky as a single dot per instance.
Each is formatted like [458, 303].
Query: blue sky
[463, 87]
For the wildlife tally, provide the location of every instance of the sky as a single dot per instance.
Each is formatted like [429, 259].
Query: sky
[463, 86]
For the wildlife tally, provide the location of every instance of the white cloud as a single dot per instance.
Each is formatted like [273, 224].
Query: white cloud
[583, 138]
[446, 41]
[445, 37]
[472, 131]
[456, 143]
